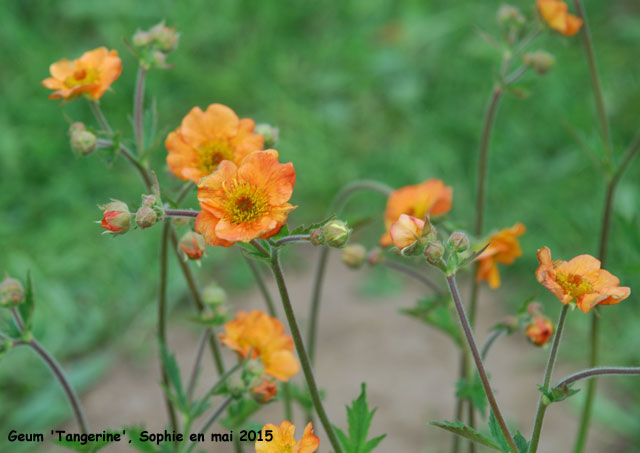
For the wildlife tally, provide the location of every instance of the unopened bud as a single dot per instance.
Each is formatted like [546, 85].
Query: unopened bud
[159, 60]
[116, 218]
[316, 237]
[540, 330]
[148, 200]
[540, 61]
[459, 241]
[434, 252]
[82, 141]
[141, 38]
[336, 233]
[375, 256]
[510, 323]
[265, 391]
[236, 385]
[269, 133]
[214, 295]
[510, 16]
[192, 245]
[534, 308]
[254, 368]
[166, 38]
[354, 255]
[11, 292]
[146, 217]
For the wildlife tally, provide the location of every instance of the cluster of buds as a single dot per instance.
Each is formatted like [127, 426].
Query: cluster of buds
[334, 233]
[252, 381]
[153, 45]
[512, 21]
[541, 61]
[83, 142]
[116, 218]
[269, 133]
[12, 292]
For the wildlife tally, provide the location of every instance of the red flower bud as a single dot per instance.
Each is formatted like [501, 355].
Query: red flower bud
[192, 245]
[540, 330]
[264, 392]
[116, 218]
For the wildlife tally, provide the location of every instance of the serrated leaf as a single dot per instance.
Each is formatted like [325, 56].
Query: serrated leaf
[467, 432]
[27, 307]
[239, 412]
[521, 442]
[437, 313]
[359, 420]
[497, 434]
[474, 392]
[175, 381]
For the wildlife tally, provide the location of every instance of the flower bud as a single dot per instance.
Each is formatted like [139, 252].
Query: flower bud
[509, 15]
[214, 296]
[375, 256]
[192, 245]
[265, 391]
[316, 237]
[159, 60]
[405, 234]
[510, 323]
[459, 241]
[11, 292]
[116, 217]
[148, 201]
[141, 38]
[269, 133]
[434, 252]
[540, 61]
[165, 38]
[146, 217]
[254, 368]
[540, 330]
[236, 385]
[534, 308]
[82, 141]
[354, 255]
[336, 233]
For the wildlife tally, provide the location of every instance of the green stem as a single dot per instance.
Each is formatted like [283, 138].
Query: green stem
[261, 286]
[138, 107]
[292, 239]
[162, 316]
[409, 271]
[471, 343]
[97, 112]
[595, 81]
[542, 405]
[599, 371]
[195, 370]
[211, 420]
[302, 354]
[489, 342]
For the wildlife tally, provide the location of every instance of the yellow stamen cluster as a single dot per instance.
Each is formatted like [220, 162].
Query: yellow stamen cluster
[82, 77]
[574, 284]
[212, 153]
[245, 203]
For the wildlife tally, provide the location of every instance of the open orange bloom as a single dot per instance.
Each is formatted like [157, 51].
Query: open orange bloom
[204, 139]
[406, 231]
[579, 279]
[284, 442]
[246, 202]
[431, 197]
[90, 75]
[265, 337]
[503, 248]
[555, 14]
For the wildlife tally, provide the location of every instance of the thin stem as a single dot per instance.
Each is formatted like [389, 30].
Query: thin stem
[184, 191]
[138, 107]
[293, 238]
[162, 316]
[315, 301]
[212, 418]
[197, 300]
[542, 406]
[599, 371]
[221, 381]
[260, 248]
[97, 112]
[489, 342]
[347, 191]
[17, 319]
[595, 81]
[516, 75]
[409, 271]
[261, 286]
[181, 213]
[196, 363]
[471, 343]
[302, 354]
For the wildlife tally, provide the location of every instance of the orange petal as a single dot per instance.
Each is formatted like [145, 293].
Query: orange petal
[206, 225]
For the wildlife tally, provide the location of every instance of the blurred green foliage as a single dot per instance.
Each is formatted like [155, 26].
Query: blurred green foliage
[375, 89]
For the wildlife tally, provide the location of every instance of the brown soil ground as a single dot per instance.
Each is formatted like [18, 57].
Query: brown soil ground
[408, 367]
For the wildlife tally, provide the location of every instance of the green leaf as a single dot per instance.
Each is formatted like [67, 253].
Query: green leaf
[436, 312]
[175, 381]
[557, 394]
[239, 413]
[497, 434]
[467, 432]
[521, 442]
[27, 307]
[359, 420]
[133, 433]
[474, 392]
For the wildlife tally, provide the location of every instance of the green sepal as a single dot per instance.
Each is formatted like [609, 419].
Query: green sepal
[557, 394]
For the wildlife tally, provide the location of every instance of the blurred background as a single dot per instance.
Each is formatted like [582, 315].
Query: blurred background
[375, 89]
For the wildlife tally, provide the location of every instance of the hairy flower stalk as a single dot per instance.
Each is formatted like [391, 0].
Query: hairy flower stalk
[138, 106]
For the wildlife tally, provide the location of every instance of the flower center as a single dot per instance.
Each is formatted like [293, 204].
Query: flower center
[212, 153]
[574, 284]
[245, 203]
[81, 77]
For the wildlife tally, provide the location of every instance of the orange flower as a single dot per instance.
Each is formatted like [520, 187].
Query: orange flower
[284, 442]
[406, 231]
[263, 392]
[204, 139]
[540, 330]
[579, 279]
[90, 75]
[243, 203]
[503, 248]
[265, 337]
[430, 197]
[555, 14]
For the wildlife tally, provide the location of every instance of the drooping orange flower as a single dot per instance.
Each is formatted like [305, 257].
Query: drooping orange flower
[264, 336]
[204, 139]
[406, 231]
[540, 330]
[246, 202]
[579, 279]
[503, 248]
[89, 75]
[284, 441]
[555, 13]
[431, 197]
